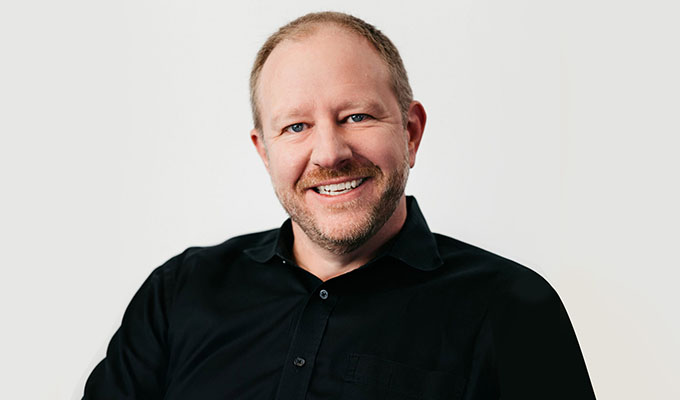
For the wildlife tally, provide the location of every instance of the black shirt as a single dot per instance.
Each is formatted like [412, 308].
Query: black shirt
[429, 318]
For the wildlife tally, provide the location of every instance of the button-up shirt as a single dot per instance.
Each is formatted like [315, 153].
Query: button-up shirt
[430, 317]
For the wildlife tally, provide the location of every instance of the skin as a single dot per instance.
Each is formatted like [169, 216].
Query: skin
[329, 116]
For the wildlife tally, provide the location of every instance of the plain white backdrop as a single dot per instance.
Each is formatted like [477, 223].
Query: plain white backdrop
[552, 139]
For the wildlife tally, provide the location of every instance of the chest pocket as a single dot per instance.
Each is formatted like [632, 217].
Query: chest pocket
[368, 377]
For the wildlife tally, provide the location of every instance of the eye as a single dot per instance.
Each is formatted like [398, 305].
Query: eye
[357, 118]
[296, 128]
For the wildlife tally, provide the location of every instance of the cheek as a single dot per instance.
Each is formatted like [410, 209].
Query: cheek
[286, 166]
[384, 151]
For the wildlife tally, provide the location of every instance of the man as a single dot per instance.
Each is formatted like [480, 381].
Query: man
[353, 297]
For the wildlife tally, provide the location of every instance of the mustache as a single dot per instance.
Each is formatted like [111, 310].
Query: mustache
[315, 177]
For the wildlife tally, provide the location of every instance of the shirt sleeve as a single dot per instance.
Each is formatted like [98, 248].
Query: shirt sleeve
[537, 353]
[136, 358]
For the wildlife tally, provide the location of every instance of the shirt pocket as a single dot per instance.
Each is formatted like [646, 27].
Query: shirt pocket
[370, 377]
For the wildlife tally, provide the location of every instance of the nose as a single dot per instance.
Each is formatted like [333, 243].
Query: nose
[331, 149]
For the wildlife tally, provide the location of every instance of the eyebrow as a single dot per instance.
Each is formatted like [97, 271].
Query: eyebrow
[290, 114]
[364, 104]
[300, 112]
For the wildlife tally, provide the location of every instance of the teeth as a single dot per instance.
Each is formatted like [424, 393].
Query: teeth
[339, 188]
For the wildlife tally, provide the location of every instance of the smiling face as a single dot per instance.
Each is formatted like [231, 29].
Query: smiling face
[333, 139]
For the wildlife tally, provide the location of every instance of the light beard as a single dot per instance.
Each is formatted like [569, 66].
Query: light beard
[355, 233]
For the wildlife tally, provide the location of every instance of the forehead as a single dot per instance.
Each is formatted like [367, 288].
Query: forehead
[330, 63]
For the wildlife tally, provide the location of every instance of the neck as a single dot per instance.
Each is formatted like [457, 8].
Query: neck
[326, 265]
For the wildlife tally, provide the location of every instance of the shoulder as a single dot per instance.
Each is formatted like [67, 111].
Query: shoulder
[502, 279]
[525, 332]
[520, 305]
[220, 255]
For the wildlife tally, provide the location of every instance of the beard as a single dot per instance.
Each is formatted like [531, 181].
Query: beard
[352, 233]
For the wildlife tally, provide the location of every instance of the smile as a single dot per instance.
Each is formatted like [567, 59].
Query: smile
[339, 188]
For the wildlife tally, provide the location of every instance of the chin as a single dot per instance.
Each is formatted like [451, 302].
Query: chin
[340, 241]
[348, 231]
[343, 233]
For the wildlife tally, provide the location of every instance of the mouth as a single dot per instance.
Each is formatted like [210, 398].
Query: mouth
[336, 189]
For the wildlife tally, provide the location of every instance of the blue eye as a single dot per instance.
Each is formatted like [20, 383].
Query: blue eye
[296, 128]
[357, 117]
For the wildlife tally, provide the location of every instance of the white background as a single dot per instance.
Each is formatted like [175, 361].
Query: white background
[552, 139]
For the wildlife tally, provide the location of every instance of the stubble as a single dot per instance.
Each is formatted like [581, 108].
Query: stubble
[354, 233]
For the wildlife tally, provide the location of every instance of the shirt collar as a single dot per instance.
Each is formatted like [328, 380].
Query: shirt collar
[274, 242]
[415, 244]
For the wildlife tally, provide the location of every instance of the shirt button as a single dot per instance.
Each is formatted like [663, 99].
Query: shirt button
[323, 294]
[299, 362]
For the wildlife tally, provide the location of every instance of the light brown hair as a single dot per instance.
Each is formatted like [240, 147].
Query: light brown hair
[306, 25]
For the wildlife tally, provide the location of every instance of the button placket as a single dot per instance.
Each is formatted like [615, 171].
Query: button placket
[306, 340]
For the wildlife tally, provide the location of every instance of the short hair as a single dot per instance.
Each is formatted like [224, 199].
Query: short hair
[306, 25]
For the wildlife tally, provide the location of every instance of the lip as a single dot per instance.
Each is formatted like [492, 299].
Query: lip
[339, 198]
[336, 181]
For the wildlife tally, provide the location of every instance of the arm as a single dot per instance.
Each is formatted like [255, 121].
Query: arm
[537, 353]
[136, 358]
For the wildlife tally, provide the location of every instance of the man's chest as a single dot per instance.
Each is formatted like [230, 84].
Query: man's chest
[339, 340]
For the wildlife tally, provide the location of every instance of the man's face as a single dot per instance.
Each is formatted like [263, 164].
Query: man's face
[332, 138]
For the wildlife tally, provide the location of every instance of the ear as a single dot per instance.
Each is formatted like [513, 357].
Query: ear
[414, 128]
[258, 141]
